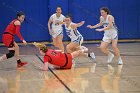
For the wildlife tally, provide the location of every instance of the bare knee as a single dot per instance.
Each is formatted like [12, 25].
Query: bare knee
[114, 47]
[60, 41]
[55, 44]
[103, 49]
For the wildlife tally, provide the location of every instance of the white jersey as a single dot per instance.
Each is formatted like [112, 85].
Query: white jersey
[55, 20]
[113, 29]
[73, 34]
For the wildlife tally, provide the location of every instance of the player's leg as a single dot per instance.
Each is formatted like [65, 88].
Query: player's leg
[71, 46]
[60, 43]
[104, 49]
[116, 50]
[8, 55]
[19, 63]
[91, 55]
[55, 41]
[8, 41]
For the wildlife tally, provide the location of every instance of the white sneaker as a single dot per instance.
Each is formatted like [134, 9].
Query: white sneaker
[120, 62]
[92, 56]
[110, 57]
[84, 48]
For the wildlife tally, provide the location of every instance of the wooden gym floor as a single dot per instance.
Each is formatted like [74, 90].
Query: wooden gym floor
[85, 77]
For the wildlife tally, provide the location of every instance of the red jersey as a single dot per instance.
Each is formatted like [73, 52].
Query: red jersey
[14, 29]
[58, 58]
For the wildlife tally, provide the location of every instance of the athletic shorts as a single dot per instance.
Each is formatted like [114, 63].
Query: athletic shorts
[8, 39]
[79, 40]
[68, 63]
[109, 38]
[57, 33]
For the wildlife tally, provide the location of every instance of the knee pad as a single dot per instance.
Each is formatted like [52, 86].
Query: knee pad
[10, 54]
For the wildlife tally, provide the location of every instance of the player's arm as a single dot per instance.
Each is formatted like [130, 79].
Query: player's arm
[110, 20]
[49, 24]
[44, 66]
[17, 24]
[63, 22]
[74, 26]
[95, 26]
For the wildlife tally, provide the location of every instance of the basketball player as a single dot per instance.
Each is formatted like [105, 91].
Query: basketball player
[110, 34]
[56, 29]
[57, 58]
[8, 39]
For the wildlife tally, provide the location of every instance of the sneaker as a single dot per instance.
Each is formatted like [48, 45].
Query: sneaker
[21, 64]
[84, 48]
[120, 62]
[92, 56]
[110, 57]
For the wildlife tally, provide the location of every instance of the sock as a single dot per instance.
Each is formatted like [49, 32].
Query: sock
[89, 55]
[18, 61]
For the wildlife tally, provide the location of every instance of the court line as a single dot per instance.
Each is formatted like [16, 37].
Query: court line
[56, 76]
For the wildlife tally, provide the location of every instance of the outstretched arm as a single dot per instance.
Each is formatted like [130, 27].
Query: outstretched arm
[110, 19]
[95, 26]
[44, 66]
[74, 26]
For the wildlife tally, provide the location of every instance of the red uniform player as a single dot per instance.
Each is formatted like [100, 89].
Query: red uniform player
[8, 39]
[59, 59]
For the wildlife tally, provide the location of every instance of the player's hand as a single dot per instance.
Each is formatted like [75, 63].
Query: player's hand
[44, 67]
[24, 42]
[89, 26]
[99, 30]
[61, 23]
[82, 22]
[74, 26]
[51, 32]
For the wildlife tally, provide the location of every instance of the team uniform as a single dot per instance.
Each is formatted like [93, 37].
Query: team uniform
[10, 31]
[59, 59]
[74, 35]
[111, 33]
[56, 27]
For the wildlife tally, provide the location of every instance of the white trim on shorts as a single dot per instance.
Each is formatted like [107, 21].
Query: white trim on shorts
[109, 38]
[56, 34]
[79, 40]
